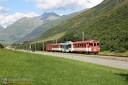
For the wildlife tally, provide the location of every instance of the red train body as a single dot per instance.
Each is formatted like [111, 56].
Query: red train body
[86, 46]
[53, 47]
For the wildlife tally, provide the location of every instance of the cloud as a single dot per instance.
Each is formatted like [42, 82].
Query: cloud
[8, 20]
[50, 5]
[3, 0]
[3, 10]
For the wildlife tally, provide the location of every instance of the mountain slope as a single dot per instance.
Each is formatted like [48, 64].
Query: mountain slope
[20, 28]
[24, 26]
[40, 30]
[107, 22]
[1, 28]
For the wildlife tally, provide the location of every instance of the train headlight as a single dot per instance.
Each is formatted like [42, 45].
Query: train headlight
[95, 50]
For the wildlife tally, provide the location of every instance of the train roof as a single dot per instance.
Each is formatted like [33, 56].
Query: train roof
[88, 41]
[55, 44]
[69, 42]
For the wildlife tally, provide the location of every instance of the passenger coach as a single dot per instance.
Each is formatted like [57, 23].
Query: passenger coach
[53, 47]
[91, 46]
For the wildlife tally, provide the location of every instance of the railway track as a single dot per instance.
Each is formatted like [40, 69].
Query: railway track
[113, 55]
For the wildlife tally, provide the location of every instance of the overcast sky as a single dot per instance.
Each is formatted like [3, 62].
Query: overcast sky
[12, 10]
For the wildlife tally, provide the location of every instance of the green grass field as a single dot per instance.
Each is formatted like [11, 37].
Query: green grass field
[48, 70]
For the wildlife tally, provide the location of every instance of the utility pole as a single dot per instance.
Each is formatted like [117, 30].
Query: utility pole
[30, 47]
[35, 46]
[82, 36]
[43, 46]
[56, 40]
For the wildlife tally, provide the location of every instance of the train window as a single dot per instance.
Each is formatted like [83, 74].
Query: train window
[94, 44]
[66, 46]
[69, 45]
[75, 45]
[90, 44]
[78, 45]
[97, 44]
[61, 46]
[81, 45]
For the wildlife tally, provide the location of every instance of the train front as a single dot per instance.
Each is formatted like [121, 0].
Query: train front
[93, 47]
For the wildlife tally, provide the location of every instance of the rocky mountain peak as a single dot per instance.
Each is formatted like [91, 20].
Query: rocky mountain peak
[48, 16]
[1, 28]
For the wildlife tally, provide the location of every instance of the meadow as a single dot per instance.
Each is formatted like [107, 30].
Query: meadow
[33, 69]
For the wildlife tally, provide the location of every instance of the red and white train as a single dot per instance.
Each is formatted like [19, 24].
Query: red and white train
[91, 46]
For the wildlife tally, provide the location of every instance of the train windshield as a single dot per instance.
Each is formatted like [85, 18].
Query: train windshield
[93, 44]
[90, 44]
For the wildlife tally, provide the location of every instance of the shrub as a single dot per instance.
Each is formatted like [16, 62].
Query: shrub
[1, 46]
[120, 50]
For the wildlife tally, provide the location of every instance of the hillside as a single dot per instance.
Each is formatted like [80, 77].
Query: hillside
[24, 26]
[107, 22]
[40, 30]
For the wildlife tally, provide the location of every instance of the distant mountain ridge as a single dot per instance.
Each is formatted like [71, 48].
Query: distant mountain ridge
[24, 26]
[49, 16]
[41, 29]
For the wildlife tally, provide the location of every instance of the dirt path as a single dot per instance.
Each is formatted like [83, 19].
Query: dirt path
[111, 62]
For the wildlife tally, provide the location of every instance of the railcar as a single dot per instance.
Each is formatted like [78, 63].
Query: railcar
[53, 47]
[91, 46]
[48, 47]
[67, 46]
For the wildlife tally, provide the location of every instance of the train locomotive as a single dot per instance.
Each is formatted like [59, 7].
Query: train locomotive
[91, 46]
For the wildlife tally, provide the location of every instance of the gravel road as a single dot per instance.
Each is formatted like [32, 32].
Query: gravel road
[110, 62]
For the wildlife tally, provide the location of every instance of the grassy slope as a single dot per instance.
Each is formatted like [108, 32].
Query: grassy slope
[47, 70]
[106, 22]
